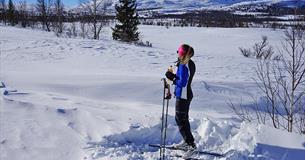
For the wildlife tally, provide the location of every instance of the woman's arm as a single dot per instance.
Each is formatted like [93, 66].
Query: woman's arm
[182, 76]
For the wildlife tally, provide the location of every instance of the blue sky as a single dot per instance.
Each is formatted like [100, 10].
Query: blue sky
[68, 3]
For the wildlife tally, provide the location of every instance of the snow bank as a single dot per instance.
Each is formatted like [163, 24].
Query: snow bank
[245, 141]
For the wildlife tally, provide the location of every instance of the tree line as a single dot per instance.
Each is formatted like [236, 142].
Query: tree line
[91, 14]
[86, 21]
[227, 19]
[50, 15]
[44, 11]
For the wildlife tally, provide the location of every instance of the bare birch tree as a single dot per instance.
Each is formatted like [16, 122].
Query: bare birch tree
[43, 8]
[3, 11]
[265, 81]
[11, 13]
[282, 82]
[59, 11]
[96, 10]
[290, 74]
[23, 13]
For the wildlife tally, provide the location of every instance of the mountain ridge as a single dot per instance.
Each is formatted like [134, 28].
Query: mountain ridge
[209, 4]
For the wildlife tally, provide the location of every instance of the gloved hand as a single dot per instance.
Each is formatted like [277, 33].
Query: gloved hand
[170, 75]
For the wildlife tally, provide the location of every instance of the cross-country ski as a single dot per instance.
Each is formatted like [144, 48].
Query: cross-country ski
[196, 152]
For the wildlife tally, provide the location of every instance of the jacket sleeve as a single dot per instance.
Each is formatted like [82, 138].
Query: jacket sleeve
[182, 76]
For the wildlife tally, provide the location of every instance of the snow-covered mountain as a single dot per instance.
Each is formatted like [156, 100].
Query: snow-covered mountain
[178, 6]
[201, 4]
[181, 6]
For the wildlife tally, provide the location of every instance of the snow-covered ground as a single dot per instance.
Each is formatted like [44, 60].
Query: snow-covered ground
[80, 99]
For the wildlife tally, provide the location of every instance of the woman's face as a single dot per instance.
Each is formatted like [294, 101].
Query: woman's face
[180, 56]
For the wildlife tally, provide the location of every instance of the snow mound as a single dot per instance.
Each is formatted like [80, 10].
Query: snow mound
[245, 141]
[213, 134]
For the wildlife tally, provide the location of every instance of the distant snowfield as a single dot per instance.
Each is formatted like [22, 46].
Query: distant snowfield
[88, 99]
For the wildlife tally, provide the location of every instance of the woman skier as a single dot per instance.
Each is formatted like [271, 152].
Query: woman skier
[182, 80]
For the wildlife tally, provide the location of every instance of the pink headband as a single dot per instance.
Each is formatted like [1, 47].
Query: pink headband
[181, 51]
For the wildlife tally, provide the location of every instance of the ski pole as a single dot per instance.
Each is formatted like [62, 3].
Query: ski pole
[165, 128]
[167, 97]
[162, 120]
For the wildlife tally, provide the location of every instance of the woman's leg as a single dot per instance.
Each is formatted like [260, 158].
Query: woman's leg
[182, 120]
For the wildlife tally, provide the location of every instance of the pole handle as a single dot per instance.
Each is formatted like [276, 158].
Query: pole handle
[168, 95]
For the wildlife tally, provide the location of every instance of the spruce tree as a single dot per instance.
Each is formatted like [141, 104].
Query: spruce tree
[127, 16]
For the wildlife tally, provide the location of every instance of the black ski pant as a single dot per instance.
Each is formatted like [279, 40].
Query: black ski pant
[182, 120]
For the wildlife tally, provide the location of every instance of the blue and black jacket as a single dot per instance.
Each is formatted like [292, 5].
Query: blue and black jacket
[184, 78]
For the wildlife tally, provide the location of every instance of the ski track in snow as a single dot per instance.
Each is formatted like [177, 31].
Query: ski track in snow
[88, 99]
